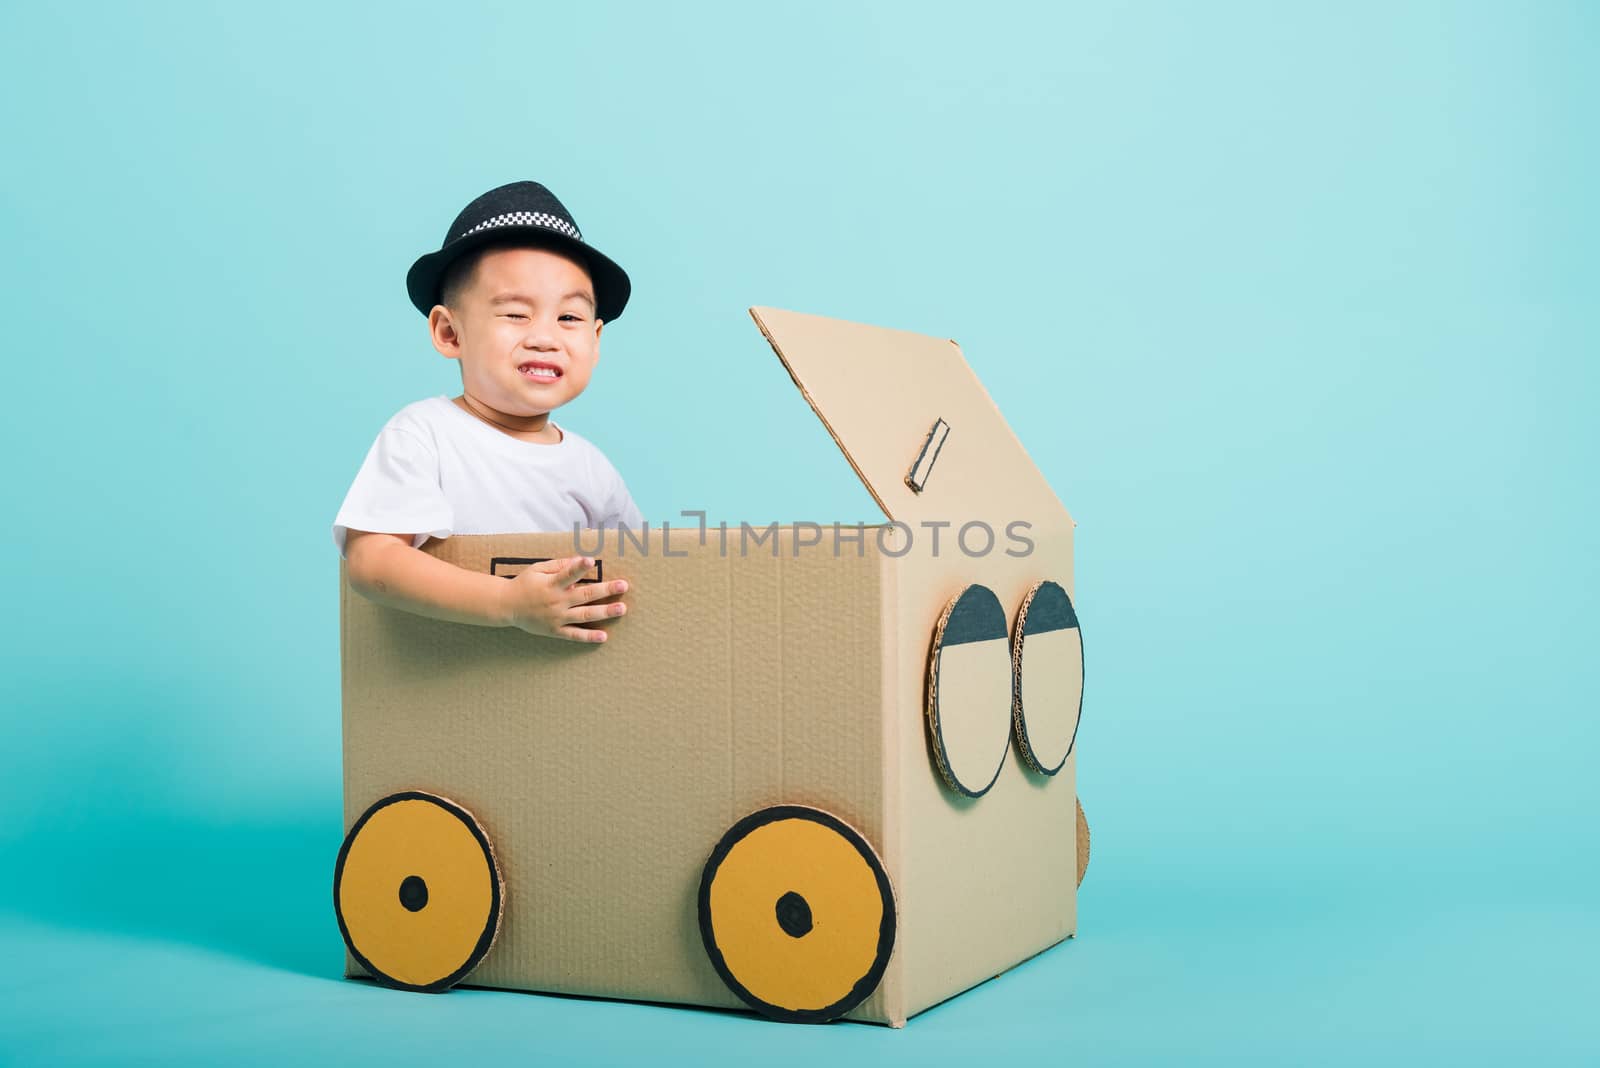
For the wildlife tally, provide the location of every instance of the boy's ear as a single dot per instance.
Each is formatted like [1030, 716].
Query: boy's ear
[442, 332]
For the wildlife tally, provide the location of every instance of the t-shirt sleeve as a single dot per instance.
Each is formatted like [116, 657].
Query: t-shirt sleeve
[620, 509]
[625, 512]
[396, 491]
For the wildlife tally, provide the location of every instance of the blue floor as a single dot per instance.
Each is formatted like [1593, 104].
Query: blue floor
[238, 963]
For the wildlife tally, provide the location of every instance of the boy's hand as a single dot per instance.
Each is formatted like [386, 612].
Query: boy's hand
[547, 599]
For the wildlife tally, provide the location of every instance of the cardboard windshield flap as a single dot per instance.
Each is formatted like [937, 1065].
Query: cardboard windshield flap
[802, 775]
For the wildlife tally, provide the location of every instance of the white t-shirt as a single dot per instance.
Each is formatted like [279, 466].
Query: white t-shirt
[436, 470]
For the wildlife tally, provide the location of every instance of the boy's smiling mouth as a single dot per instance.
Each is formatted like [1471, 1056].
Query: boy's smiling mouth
[539, 371]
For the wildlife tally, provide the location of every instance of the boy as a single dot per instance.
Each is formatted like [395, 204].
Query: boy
[517, 296]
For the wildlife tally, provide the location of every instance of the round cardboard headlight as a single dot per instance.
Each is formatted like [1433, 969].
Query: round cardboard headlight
[969, 688]
[1048, 696]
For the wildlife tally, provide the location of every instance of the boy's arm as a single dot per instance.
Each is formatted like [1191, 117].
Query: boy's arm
[544, 599]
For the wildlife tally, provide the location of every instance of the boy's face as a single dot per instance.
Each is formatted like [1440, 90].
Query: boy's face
[524, 330]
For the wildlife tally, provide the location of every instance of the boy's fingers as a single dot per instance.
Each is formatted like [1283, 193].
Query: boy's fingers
[558, 565]
[575, 569]
[593, 591]
[593, 612]
[581, 634]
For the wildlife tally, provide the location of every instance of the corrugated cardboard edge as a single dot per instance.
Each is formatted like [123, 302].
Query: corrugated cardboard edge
[930, 708]
[352, 968]
[892, 988]
[1018, 719]
[1083, 843]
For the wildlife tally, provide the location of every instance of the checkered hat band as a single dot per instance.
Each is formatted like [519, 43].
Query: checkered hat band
[528, 218]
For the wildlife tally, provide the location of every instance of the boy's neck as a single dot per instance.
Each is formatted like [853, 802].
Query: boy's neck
[534, 428]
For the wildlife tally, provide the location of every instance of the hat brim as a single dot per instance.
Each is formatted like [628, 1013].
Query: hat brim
[611, 283]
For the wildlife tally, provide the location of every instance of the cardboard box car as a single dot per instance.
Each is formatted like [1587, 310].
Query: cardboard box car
[812, 772]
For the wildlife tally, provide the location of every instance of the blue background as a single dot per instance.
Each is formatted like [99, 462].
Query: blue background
[1295, 309]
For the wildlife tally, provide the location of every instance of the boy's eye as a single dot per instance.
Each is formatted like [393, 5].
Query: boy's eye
[566, 315]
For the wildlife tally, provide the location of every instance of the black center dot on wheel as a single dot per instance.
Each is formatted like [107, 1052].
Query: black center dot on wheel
[413, 893]
[794, 915]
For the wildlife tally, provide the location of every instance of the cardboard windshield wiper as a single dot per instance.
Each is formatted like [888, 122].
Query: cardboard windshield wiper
[814, 773]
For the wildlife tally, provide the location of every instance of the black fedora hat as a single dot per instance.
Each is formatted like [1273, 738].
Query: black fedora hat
[523, 210]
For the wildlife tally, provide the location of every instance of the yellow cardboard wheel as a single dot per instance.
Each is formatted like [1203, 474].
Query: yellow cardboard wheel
[1083, 844]
[797, 914]
[417, 892]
